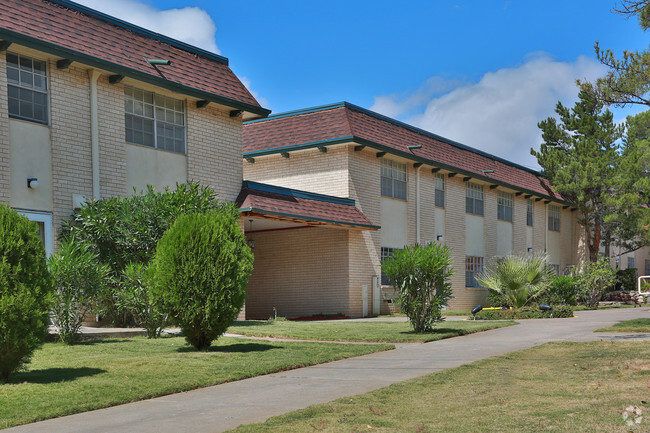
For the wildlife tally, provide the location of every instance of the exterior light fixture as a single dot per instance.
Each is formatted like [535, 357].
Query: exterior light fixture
[32, 182]
[439, 237]
[530, 250]
[476, 310]
[157, 62]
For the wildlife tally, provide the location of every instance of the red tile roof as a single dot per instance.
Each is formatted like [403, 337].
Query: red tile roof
[344, 122]
[72, 31]
[293, 205]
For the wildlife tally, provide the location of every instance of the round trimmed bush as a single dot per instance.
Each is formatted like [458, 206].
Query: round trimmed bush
[25, 291]
[200, 272]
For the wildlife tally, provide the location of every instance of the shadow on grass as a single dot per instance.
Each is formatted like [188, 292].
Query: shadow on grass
[98, 341]
[54, 375]
[234, 348]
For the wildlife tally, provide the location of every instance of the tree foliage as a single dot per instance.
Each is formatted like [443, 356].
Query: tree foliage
[78, 277]
[421, 275]
[25, 291]
[125, 230]
[581, 159]
[594, 279]
[200, 272]
[628, 78]
[519, 278]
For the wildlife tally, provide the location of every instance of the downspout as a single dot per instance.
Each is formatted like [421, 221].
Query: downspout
[417, 204]
[94, 131]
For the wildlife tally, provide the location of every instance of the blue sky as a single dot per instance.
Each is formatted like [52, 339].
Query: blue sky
[479, 72]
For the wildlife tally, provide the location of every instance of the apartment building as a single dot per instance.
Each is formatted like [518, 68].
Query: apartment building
[414, 186]
[94, 107]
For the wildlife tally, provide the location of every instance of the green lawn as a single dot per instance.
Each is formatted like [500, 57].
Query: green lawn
[393, 332]
[635, 325]
[67, 379]
[557, 387]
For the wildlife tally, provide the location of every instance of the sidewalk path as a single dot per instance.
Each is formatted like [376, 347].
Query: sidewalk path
[222, 407]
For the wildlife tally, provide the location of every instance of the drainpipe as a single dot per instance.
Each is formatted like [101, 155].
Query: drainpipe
[94, 131]
[417, 204]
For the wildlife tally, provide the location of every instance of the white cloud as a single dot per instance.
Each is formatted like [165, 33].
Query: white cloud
[498, 114]
[263, 101]
[191, 25]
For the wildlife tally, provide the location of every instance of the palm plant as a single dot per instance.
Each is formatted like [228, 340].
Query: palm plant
[519, 278]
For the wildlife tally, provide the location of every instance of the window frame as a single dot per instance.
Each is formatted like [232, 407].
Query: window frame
[472, 199]
[390, 171]
[24, 88]
[554, 218]
[505, 206]
[474, 265]
[439, 193]
[385, 253]
[157, 126]
[529, 212]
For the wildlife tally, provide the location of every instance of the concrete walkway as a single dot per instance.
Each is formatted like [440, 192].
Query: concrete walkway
[222, 407]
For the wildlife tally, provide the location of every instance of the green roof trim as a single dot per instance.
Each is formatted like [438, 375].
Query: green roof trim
[117, 69]
[396, 123]
[265, 187]
[403, 154]
[307, 218]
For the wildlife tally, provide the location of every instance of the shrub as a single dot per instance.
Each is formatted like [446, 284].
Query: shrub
[124, 230]
[560, 311]
[135, 298]
[593, 281]
[625, 280]
[200, 272]
[78, 277]
[563, 290]
[421, 275]
[25, 291]
[520, 278]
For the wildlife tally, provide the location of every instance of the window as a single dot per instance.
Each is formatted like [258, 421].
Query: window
[42, 220]
[504, 206]
[647, 267]
[554, 218]
[529, 212]
[386, 253]
[27, 88]
[393, 179]
[630, 262]
[474, 199]
[440, 190]
[473, 267]
[154, 120]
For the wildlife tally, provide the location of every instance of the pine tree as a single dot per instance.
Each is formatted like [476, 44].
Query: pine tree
[580, 158]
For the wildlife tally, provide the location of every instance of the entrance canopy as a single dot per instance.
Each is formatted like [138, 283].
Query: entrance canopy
[273, 208]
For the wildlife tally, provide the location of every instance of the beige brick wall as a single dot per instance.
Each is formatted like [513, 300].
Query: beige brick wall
[490, 223]
[214, 150]
[308, 170]
[364, 246]
[301, 272]
[5, 147]
[112, 148]
[519, 225]
[427, 205]
[70, 138]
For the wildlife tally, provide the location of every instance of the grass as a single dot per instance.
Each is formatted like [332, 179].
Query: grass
[557, 387]
[62, 379]
[392, 332]
[635, 325]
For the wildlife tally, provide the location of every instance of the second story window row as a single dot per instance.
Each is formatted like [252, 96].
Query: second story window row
[504, 206]
[440, 190]
[27, 88]
[529, 212]
[393, 179]
[154, 120]
[474, 199]
[554, 218]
